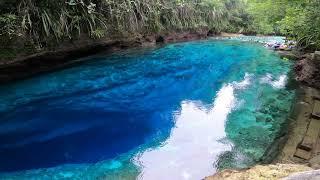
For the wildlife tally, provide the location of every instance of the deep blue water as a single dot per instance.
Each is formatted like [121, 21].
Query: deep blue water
[187, 109]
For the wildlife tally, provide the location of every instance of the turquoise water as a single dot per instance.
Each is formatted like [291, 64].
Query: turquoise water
[257, 39]
[180, 111]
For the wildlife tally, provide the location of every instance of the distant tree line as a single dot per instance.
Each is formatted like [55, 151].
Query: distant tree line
[296, 19]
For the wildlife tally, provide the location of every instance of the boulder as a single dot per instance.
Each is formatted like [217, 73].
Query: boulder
[315, 162]
[316, 56]
[288, 54]
[307, 71]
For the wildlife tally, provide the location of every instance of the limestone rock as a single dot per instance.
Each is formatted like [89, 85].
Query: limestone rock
[316, 56]
[269, 172]
[315, 162]
[309, 175]
[307, 71]
[289, 55]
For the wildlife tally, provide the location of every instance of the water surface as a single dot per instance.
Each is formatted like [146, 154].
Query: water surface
[186, 109]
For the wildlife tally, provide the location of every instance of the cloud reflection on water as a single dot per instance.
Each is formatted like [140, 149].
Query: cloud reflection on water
[195, 142]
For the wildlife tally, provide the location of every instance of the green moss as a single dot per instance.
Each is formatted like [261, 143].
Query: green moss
[9, 51]
[7, 54]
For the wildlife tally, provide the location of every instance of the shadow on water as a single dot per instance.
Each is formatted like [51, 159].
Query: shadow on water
[66, 136]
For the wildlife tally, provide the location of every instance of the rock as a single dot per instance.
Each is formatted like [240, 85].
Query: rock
[289, 55]
[223, 34]
[183, 36]
[307, 55]
[316, 56]
[268, 119]
[315, 162]
[260, 118]
[160, 39]
[269, 172]
[316, 109]
[303, 154]
[212, 33]
[307, 72]
[309, 175]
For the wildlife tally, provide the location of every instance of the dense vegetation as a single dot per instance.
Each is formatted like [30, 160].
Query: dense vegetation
[42, 21]
[41, 24]
[296, 19]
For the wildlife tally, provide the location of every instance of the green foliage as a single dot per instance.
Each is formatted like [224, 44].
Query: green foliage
[43, 20]
[8, 25]
[296, 19]
[266, 15]
[305, 24]
[47, 21]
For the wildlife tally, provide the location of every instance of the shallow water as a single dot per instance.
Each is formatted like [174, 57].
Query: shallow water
[181, 111]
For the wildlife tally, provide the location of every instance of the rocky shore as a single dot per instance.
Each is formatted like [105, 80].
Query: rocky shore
[300, 154]
[69, 53]
[260, 172]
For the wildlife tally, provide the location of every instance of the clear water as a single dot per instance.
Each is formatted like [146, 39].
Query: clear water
[181, 111]
[258, 39]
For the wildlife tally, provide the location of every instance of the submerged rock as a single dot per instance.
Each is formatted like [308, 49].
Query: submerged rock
[297, 130]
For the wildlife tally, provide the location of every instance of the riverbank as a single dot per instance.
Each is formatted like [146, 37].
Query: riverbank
[260, 172]
[299, 156]
[303, 144]
[69, 53]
